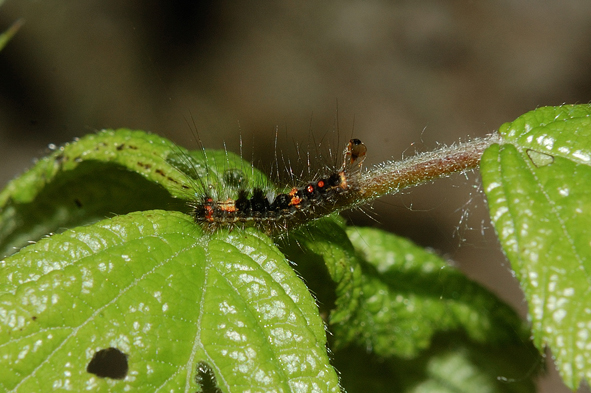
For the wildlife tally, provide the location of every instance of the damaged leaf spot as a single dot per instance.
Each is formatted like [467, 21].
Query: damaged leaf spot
[540, 159]
[205, 378]
[108, 363]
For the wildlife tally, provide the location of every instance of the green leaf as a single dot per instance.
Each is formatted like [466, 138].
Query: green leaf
[404, 320]
[392, 296]
[112, 172]
[172, 300]
[537, 185]
[450, 365]
[394, 299]
[410, 294]
[325, 256]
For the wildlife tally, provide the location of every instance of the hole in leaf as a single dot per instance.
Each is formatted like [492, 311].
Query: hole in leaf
[205, 378]
[108, 363]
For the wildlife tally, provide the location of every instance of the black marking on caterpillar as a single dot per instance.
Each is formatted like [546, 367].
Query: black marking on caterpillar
[272, 214]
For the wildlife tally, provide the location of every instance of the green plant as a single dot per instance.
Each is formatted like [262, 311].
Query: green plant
[187, 310]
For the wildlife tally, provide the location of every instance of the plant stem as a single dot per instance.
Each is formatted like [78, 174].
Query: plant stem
[393, 176]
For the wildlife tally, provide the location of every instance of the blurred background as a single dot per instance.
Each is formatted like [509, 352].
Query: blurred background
[404, 76]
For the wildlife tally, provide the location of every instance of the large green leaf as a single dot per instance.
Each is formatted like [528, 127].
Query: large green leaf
[394, 299]
[392, 296]
[152, 286]
[537, 185]
[440, 331]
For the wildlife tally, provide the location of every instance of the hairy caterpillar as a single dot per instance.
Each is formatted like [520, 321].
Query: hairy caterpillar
[271, 213]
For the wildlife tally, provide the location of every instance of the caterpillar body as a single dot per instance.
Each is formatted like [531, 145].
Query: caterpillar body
[275, 213]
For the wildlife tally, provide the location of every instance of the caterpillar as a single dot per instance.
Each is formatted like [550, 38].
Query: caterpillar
[272, 213]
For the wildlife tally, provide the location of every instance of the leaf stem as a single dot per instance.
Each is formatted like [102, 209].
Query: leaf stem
[393, 176]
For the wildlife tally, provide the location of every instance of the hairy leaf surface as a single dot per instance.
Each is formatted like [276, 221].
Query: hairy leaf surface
[537, 185]
[151, 286]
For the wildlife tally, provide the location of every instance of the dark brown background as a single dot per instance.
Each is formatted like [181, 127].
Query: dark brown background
[407, 75]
